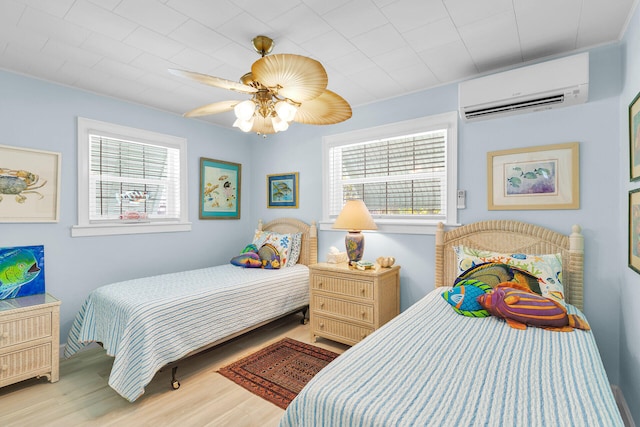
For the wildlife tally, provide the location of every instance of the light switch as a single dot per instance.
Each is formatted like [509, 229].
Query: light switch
[462, 199]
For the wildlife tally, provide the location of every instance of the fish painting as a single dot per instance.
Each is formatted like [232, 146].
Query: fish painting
[20, 266]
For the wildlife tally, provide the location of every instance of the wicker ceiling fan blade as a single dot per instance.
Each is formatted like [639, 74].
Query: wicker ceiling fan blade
[215, 108]
[213, 81]
[326, 109]
[296, 77]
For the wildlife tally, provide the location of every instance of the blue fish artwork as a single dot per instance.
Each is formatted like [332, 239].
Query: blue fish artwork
[21, 271]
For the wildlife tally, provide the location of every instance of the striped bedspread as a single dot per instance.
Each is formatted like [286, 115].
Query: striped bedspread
[433, 367]
[146, 323]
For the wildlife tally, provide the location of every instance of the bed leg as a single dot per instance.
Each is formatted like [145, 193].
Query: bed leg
[304, 320]
[175, 384]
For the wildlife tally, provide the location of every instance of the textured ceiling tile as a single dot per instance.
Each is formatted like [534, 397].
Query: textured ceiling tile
[199, 37]
[163, 19]
[602, 21]
[379, 40]
[301, 23]
[71, 53]
[154, 43]
[52, 27]
[430, 36]
[191, 59]
[406, 15]
[99, 20]
[22, 38]
[547, 33]
[111, 48]
[465, 12]
[492, 40]
[11, 12]
[354, 18]
[449, 63]
[213, 14]
[56, 8]
[115, 68]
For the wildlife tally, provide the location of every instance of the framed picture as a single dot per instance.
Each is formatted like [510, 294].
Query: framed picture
[634, 138]
[29, 185]
[543, 177]
[219, 189]
[26, 267]
[634, 230]
[282, 190]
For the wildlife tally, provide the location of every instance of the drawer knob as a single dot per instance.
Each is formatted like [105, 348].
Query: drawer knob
[321, 305]
[319, 284]
[362, 291]
[363, 314]
[321, 325]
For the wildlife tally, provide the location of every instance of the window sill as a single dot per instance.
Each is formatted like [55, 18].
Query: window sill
[114, 229]
[397, 227]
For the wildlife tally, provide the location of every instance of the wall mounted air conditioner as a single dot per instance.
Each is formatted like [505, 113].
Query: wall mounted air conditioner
[552, 84]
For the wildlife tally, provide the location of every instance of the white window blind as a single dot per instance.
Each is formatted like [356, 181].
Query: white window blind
[401, 177]
[133, 181]
[405, 172]
[130, 181]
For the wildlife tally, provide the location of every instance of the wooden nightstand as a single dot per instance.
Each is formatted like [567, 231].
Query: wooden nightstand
[347, 304]
[29, 338]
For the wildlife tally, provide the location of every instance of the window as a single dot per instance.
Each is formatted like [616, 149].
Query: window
[404, 172]
[129, 181]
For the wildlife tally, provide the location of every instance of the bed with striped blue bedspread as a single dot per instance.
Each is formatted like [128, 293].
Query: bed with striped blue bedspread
[149, 322]
[432, 367]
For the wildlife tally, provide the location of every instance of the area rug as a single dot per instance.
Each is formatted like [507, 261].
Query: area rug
[278, 372]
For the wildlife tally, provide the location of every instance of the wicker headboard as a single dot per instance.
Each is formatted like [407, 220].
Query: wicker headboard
[514, 237]
[309, 250]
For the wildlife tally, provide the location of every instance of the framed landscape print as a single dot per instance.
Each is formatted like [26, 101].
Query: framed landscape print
[29, 185]
[634, 138]
[282, 190]
[219, 189]
[542, 177]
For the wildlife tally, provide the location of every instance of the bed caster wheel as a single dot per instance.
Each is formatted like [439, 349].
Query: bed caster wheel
[175, 384]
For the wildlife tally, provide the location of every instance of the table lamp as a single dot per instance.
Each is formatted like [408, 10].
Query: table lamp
[354, 217]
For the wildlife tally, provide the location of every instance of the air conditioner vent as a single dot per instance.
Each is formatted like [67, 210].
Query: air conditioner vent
[552, 84]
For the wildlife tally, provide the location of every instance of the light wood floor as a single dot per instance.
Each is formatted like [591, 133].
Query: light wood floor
[83, 397]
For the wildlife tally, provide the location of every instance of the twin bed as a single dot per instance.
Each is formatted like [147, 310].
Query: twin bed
[428, 366]
[152, 322]
[433, 366]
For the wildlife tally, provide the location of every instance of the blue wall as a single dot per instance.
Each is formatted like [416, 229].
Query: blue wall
[41, 115]
[629, 319]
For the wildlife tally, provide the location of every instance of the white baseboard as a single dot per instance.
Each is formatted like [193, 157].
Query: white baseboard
[622, 406]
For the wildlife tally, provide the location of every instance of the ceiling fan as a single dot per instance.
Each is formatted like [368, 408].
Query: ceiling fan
[284, 88]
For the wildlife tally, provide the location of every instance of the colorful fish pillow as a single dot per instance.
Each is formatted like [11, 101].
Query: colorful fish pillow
[247, 260]
[520, 307]
[269, 256]
[493, 273]
[464, 297]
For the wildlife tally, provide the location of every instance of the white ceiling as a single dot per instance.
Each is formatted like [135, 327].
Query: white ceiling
[372, 49]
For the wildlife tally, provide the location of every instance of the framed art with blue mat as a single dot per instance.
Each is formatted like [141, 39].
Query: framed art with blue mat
[282, 190]
[21, 271]
[219, 189]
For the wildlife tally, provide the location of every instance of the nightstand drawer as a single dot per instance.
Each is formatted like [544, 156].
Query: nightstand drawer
[327, 305]
[341, 330]
[342, 286]
[25, 329]
[25, 362]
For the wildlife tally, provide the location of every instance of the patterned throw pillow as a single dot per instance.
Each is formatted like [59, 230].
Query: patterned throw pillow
[281, 242]
[296, 246]
[547, 268]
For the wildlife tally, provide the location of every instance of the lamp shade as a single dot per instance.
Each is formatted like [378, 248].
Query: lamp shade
[355, 216]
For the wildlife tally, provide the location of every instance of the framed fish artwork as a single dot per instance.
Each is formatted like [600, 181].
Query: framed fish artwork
[532, 178]
[21, 271]
[282, 190]
[219, 189]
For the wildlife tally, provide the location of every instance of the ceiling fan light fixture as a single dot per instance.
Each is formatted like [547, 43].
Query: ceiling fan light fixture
[244, 110]
[244, 125]
[285, 110]
[279, 125]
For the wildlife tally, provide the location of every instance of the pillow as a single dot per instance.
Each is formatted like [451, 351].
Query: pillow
[269, 257]
[296, 246]
[247, 260]
[463, 297]
[546, 268]
[281, 242]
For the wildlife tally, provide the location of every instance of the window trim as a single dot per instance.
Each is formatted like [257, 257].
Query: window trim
[447, 120]
[84, 227]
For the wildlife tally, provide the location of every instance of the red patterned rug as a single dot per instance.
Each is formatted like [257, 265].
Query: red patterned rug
[278, 372]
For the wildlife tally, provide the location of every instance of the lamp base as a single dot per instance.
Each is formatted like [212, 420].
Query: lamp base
[354, 242]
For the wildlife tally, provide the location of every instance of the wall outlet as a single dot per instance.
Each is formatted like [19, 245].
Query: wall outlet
[461, 199]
